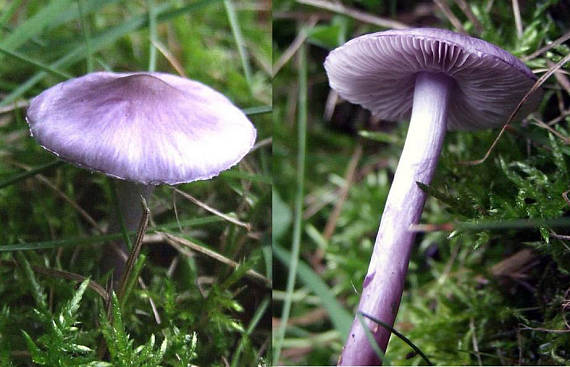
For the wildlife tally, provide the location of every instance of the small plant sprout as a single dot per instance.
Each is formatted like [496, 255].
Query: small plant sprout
[440, 80]
[144, 129]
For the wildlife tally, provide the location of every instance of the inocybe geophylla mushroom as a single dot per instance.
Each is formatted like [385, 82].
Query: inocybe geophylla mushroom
[144, 129]
[440, 80]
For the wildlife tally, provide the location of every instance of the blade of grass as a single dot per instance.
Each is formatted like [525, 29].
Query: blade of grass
[247, 176]
[253, 323]
[152, 34]
[86, 35]
[372, 341]
[257, 110]
[34, 171]
[398, 334]
[340, 318]
[492, 225]
[34, 25]
[298, 222]
[76, 241]
[236, 30]
[36, 63]
[89, 6]
[103, 39]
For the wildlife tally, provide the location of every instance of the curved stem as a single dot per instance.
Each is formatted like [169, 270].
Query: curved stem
[384, 282]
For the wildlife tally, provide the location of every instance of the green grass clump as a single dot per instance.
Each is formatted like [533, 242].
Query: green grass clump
[206, 304]
[488, 279]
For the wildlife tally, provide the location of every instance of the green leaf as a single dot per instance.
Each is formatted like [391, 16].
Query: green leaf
[338, 315]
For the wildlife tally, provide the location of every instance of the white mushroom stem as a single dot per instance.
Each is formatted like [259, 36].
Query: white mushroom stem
[384, 282]
[129, 199]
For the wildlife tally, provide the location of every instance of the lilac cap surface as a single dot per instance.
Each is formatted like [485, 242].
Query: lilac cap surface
[151, 128]
[378, 72]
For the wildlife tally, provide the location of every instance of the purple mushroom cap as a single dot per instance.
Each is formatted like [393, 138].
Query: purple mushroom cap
[378, 71]
[150, 128]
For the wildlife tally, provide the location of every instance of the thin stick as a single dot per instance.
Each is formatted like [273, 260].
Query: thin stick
[279, 335]
[262, 143]
[565, 37]
[14, 106]
[175, 240]
[356, 14]
[450, 16]
[212, 210]
[469, 13]
[294, 46]
[349, 177]
[565, 197]
[96, 287]
[169, 57]
[474, 341]
[560, 77]
[536, 85]
[539, 123]
[554, 331]
[66, 198]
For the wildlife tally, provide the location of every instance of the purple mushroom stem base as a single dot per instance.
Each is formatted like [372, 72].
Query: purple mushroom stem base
[129, 199]
[384, 282]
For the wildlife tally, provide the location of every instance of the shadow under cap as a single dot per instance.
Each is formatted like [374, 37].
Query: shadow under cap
[151, 128]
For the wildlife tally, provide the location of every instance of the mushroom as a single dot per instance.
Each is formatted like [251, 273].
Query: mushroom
[144, 129]
[442, 81]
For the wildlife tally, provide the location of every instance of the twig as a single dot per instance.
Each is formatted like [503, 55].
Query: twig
[565, 37]
[560, 77]
[356, 14]
[151, 301]
[66, 198]
[536, 85]
[469, 13]
[262, 143]
[474, 341]
[341, 199]
[559, 236]
[558, 118]
[450, 16]
[349, 178]
[330, 105]
[294, 46]
[169, 56]
[554, 331]
[14, 106]
[96, 287]
[212, 210]
[172, 239]
[541, 124]
[565, 197]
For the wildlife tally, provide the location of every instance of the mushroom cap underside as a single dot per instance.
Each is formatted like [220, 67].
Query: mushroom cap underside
[378, 71]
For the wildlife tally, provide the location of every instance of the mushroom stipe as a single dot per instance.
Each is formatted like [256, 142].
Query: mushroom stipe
[143, 129]
[441, 81]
